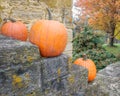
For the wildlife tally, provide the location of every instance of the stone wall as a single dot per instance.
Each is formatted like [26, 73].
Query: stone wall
[23, 72]
[29, 11]
[107, 82]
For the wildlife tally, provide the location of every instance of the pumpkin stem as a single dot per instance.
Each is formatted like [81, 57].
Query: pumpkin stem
[49, 14]
[5, 19]
[11, 19]
[84, 57]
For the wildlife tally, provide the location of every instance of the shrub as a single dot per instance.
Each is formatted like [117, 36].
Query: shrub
[90, 43]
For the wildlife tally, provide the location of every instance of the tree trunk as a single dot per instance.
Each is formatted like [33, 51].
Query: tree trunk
[111, 43]
[112, 29]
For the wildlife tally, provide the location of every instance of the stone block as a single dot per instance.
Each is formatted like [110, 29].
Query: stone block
[19, 73]
[61, 78]
[107, 82]
[20, 82]
[24, 73]
[13, 52]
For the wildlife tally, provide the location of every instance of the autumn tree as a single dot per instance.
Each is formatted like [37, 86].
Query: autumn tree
[103, 15]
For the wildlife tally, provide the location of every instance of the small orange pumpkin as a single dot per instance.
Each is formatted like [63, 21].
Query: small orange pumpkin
[14, 29]
[89, 64]
[50, 36]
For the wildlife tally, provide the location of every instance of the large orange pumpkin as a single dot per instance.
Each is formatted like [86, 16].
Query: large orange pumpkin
[14, 29]
[50, 36]
[89, 64]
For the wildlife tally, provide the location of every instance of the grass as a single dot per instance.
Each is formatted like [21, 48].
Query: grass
[114, 50]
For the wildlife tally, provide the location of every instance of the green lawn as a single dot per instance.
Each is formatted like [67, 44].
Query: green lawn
[114, 50]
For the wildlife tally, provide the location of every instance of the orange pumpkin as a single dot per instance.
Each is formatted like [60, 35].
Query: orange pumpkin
[89, 64]
[14, 29]
[50, 36]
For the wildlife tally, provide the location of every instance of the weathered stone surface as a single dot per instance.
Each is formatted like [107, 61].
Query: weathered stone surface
[45, 81]
[69, 81]
[24, 73]
[80, 81]
[18, 70]
[107, 82]
[14, 52]
[59, 77]
[16, 81]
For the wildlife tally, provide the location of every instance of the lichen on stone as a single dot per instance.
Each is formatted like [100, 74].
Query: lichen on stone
[30, 58]
[69, 62]
[59, 71]
[71, 79]
[17, 81]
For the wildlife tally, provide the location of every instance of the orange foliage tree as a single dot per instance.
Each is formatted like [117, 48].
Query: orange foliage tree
[103, 14]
